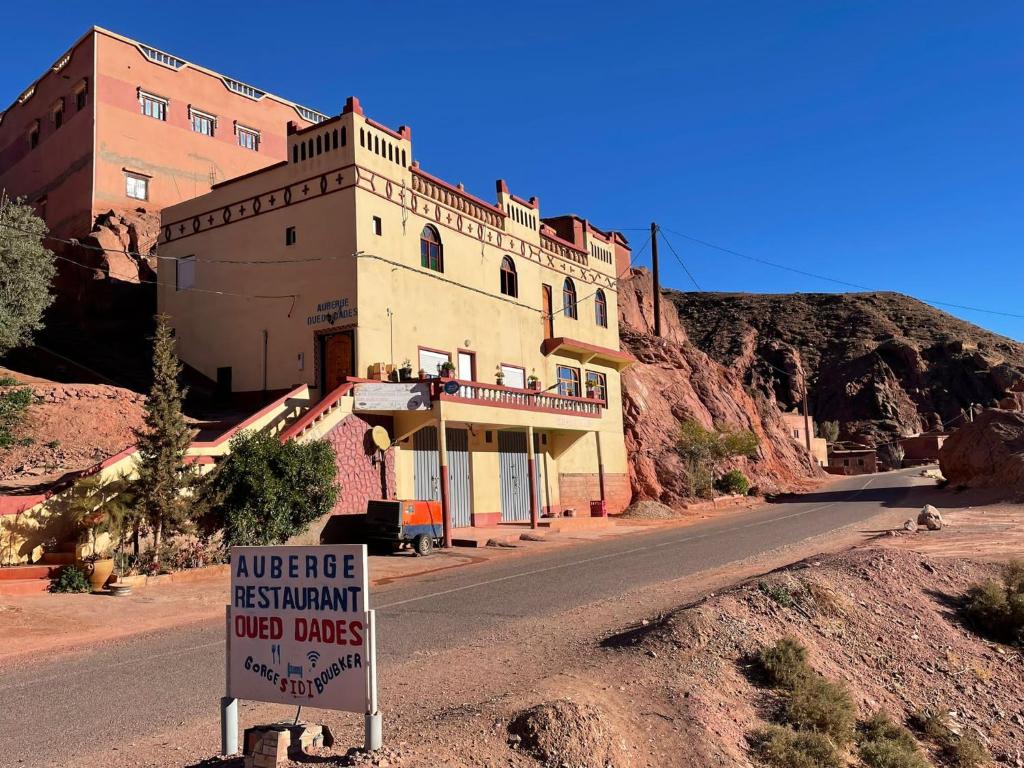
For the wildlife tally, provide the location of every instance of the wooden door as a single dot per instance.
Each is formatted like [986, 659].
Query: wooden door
[338, 359]
[546, 316]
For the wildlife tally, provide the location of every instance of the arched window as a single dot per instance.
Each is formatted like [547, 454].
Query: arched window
[319, 145]
[362, 137]
[601, 309]
[343, 136]
[303, 150]
[569, 298]
[295, 153]
[334, 139]
[309, 145]
[509, 279]
[431, 256]
[403, 157]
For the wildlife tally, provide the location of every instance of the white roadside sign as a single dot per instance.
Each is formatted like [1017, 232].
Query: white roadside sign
[299, 627]
[413, 396]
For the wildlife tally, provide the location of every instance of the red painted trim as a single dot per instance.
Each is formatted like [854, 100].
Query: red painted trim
[531, 470]
[381, 127]
[314, 413]
[438, 394]
[446, 508]
[352, 105]
[552, 345]
[571, 246]
[457, 191]
[218, 441]
[472, 360]
[531, 203]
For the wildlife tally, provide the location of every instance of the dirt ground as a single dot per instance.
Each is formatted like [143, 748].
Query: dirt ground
[69, 427]
[653, 678]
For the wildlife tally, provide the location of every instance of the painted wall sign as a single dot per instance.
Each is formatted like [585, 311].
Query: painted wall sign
[331, 312]
[392, 397]
[299, 627]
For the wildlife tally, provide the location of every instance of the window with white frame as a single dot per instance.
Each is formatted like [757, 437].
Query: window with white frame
[202, 122]
[136, 186]
[431, 362]
[153, 106]
[513, 376]
[185, 273]
[248, 138]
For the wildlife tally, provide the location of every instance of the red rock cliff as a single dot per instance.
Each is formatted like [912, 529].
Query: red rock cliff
[673, 381]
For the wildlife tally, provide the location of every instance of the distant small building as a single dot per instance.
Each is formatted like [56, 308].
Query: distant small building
[797, 429]
[851, 459]
[923, 448]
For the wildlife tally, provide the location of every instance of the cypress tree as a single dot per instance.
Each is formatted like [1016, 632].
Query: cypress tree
[163, 477]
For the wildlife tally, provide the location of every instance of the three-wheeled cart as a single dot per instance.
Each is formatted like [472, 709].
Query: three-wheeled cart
[393, 524]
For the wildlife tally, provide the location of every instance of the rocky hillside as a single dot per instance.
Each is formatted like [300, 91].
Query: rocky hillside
[674, 381]
[881, 364]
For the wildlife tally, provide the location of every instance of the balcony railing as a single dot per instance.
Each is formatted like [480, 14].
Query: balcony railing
[511, 397]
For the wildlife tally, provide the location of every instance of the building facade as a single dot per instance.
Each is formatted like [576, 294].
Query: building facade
[797, 426]
[115, 124]
[347, 260]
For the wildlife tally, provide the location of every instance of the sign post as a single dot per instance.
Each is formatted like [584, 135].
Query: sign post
[300, 632]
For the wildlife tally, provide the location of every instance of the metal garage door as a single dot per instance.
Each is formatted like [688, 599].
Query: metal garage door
[426, 469]
[458, 477]
[515, 482]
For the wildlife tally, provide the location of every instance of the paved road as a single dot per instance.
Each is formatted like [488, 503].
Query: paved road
[49, 710]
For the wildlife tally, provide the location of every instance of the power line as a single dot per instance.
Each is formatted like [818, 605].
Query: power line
[837, 281]
[682, 263]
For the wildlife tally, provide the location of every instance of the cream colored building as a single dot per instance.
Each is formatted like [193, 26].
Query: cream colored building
[796, 426]
[347, 259]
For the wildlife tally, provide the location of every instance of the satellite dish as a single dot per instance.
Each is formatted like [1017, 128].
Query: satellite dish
[381, 438]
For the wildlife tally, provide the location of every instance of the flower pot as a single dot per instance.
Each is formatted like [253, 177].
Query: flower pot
[534, 385]
[99, 572]
[405, 374]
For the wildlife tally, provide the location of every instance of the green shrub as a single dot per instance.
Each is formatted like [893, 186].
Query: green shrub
[13, 404]
[785, 663]
[733, 481]
[784, 748]
[884, 744]
[822, 706]
[965, 751]
[701, 449]
[889, 754]
[268, 491]
[777, 591]
[996, 608]
[931, 725]
[70, 578]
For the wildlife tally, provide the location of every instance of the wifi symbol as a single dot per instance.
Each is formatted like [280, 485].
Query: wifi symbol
[313, 657]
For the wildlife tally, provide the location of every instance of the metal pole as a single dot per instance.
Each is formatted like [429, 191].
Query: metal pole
[228, 705]
[373, 731]
[228, 726]
[531, 470]
[442, 461]
[657, 282]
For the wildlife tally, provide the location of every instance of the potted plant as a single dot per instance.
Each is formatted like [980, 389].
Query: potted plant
[533, 382]
[499, 376]
[405, 371]
[590, 390]
[446, 369]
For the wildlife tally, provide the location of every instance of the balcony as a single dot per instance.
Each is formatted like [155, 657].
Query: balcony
[497, 396]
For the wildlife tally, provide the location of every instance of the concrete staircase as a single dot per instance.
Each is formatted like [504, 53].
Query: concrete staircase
[28, 579]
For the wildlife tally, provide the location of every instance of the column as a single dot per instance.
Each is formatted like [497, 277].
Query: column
[442, 461]
[531, 470]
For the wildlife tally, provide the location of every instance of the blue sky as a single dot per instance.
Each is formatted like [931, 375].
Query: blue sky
[876, 142]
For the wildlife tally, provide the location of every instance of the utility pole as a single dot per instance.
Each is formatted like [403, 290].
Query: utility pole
[657, 283]
[807, 419]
